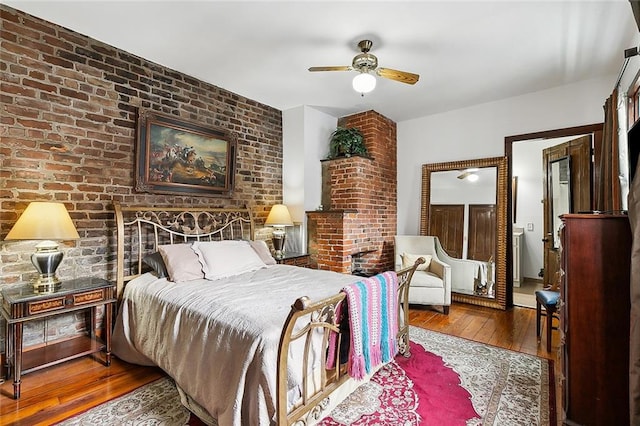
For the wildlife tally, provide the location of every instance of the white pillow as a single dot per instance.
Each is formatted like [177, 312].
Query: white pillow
[261, 247]
[181, 262]
[221, 259]
[409, 259]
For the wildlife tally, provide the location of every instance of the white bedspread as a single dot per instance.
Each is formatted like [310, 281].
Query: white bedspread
[218, 339]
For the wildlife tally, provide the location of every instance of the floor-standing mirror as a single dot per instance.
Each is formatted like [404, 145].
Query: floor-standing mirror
[464, 205]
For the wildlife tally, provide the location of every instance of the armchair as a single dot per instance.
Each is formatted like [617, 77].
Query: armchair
[431, 283]
[466, 274]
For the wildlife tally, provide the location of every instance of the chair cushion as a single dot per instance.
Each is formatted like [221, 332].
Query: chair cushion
[426, 279]
[409, 260]
[547, 298]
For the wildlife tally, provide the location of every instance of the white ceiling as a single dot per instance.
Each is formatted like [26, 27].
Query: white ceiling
[466, 52]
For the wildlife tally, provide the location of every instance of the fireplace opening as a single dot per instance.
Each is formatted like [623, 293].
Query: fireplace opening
[359, 263]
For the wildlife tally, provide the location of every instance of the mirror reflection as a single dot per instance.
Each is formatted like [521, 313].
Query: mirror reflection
[560, 194]
[536, 253]
[463, 217]
[461, 205]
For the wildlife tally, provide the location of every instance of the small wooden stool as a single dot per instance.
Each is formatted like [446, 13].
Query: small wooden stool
[548, 299]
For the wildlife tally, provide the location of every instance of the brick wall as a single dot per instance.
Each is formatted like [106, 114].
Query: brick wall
[68, 107]
[357, 230]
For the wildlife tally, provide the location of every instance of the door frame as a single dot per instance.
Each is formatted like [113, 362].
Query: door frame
[596, 129]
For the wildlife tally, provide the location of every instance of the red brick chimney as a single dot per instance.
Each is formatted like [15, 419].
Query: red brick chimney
[356, 228]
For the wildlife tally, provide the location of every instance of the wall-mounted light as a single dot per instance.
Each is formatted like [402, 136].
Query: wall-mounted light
[364, 83]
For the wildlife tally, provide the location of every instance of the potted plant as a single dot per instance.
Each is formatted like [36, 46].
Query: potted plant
[345, 142]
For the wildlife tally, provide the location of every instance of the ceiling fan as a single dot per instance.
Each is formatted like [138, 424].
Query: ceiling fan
[469, 174]
[367, 63]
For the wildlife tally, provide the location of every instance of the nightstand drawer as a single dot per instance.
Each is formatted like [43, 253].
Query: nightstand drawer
[88, 297]
[40, 307]
[53, 304]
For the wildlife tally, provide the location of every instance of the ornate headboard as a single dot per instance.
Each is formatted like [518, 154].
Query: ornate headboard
[140, 230]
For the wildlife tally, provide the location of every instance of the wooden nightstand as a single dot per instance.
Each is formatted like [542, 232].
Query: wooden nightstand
[295, 259]
[21, 304]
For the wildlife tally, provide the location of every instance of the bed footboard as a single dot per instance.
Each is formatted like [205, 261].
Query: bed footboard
[309, 322]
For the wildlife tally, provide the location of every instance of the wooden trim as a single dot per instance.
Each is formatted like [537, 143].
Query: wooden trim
[550, 134]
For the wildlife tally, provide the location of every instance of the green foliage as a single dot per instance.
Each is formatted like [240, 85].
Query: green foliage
[345, 142]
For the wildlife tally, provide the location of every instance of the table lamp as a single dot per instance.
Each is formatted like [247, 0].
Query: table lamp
[278, 218]
[49, 222]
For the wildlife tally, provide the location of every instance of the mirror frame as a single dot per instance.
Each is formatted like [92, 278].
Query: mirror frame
[500, 285]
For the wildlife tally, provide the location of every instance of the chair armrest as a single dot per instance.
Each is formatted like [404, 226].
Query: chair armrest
[442, 270]
[464, 274]
[437, 267]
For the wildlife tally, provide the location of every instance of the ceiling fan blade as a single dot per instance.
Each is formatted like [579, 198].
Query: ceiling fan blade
[401, 76]
[338, 68]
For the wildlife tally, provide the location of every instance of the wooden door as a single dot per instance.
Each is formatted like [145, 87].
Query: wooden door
[446, 221]
[581, 185]
[482, 232]
[579, 152]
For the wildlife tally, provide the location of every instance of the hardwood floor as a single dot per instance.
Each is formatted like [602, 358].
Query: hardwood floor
[55, 393]
[514, 329]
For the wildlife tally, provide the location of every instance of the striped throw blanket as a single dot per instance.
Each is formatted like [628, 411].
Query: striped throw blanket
[373, 320]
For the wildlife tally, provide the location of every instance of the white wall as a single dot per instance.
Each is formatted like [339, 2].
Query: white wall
[305, 141]
[293, 178]
[318, 127]
[479, 131]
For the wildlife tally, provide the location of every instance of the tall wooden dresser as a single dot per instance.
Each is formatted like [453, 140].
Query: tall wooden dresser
[595, 306]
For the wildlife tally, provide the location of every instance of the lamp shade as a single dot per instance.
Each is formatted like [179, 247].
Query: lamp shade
[44, 221]
[364, 83]
[279, 216]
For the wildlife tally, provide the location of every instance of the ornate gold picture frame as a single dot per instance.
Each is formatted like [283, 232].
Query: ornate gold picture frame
[174, 156]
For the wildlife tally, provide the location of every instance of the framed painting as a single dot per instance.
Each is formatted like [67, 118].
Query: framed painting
[174, 156]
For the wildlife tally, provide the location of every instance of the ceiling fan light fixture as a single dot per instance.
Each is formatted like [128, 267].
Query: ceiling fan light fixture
[364, 83]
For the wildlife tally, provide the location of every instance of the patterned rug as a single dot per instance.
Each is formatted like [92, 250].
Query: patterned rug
[447, 381]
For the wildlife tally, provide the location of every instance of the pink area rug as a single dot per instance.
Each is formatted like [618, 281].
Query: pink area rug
[446, 381]
[410, 391]
[442, 400]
